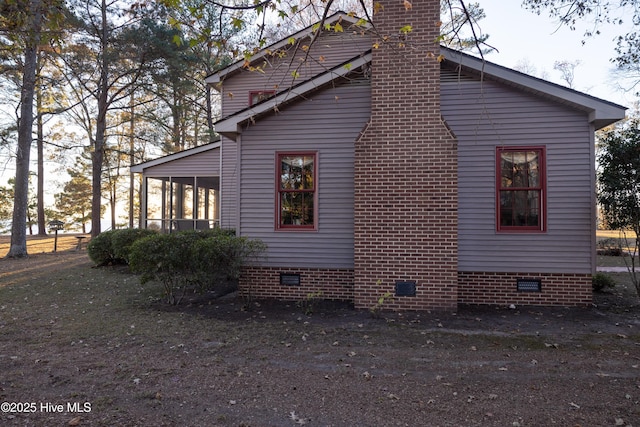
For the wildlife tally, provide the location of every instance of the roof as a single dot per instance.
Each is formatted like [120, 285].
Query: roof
[219, 76]
[601, 113]
[140, 167]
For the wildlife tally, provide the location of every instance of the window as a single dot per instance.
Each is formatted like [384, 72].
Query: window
[520, 187]
[296, 183]
[259, 96]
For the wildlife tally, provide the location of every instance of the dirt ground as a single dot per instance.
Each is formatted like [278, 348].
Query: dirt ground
[92, 347]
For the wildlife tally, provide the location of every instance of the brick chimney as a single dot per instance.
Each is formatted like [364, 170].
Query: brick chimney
[406, 202]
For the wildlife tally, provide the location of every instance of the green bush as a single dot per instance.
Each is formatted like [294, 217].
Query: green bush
[192, 260]
[113, 246]
[100, 248]
[601, 282]
[121, 240]
[609, 247]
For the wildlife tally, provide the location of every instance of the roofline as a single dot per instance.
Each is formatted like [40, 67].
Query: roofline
[229, 126]
[140, 167]
[601, 112]
[220, 75]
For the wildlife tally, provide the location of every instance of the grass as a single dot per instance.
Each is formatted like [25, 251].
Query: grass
[605, 234]
[44, 244]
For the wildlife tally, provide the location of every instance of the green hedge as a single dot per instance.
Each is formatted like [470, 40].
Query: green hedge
[192, 260]
[113, 246]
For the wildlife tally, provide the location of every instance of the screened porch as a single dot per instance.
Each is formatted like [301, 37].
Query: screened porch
[177, 203]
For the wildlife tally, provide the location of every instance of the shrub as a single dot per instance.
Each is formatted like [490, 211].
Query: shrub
[609, 247]
[113, 246]
[100, 248]
[192, 260]
[601, 282]
[121, 240]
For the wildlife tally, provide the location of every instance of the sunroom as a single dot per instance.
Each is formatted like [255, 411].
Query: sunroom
[181, 191]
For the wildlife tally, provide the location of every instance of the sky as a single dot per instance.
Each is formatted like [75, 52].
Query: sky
[521, 35]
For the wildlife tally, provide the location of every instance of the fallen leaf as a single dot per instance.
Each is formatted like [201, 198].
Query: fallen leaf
[75, 421]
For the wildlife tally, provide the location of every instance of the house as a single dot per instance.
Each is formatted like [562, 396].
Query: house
[373, 162]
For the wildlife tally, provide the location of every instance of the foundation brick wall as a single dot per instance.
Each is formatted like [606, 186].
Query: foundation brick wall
[500, 289]
[264, 282]
[406, 170]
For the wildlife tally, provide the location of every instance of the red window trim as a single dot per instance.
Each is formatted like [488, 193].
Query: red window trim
[278, 225]
[542, 228]
[252, 93]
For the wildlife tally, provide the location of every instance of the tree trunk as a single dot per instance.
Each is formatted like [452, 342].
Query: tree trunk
[97, 156]
[18, 248]
[132, 160]
[42, 227]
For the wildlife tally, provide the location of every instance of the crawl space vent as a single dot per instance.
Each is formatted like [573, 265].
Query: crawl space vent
[290, 279]
[529, 285]
[405, 288]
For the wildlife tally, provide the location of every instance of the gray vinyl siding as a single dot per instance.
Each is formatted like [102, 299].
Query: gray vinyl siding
[488, 114]
[328, 122]
[204, 164]
[328, 51]
[229, 184]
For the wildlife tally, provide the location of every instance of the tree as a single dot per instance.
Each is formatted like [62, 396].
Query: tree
[104, 63]
[596, 13]
[461, 30]
[567, 70]
[23, 24]
[74, 202]
[30, 23]
[619, 185]
[6, 206]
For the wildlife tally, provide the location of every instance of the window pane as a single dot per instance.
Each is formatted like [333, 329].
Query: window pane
[296, 173]
[534, 169]
[506, 169]
[307, 182]
[296, 209]
[520, 208]
[519, 169]
[291, 173]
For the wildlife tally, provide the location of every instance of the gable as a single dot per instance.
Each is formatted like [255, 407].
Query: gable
[288, 63]
[600, 113]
